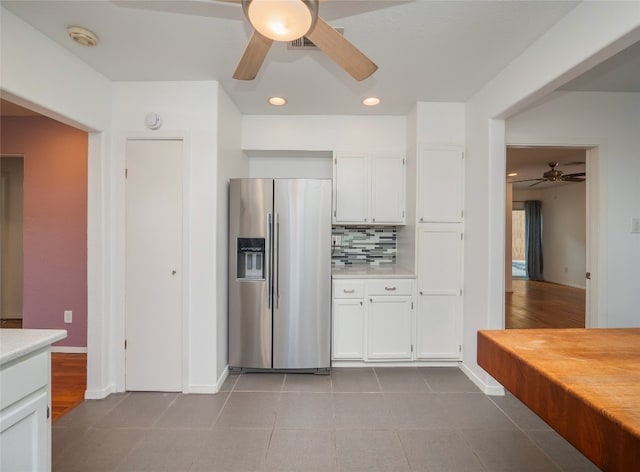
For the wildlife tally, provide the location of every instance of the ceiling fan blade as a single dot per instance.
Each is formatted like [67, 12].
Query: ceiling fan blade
[577, 174]
[341, 51]
[573, 179]
[253, 57]
[537, 183]
[526, 180]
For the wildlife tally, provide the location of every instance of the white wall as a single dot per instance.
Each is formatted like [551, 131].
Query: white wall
[232, 163]
[77, 95]
[564, 245]
[565, 51]
[189, 110]
[609, 120]
[324, 133]
[291, 167]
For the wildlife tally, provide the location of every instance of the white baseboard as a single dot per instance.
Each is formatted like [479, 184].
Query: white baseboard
[69, 349]
[395, 364]
[208, 389]
[566, 284]
[99, 394]
[494, 390]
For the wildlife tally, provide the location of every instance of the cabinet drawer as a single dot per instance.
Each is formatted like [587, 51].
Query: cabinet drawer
[348, 289]
[21, 379]
[390, 287]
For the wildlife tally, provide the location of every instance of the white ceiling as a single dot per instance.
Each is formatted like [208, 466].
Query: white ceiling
[425, 50]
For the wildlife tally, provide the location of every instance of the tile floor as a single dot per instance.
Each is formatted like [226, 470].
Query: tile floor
[382, 419]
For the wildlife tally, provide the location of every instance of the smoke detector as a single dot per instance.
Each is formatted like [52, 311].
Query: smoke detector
[82, 36]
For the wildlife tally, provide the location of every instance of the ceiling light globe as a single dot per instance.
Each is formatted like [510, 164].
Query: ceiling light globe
[281, 20]
[371, 101]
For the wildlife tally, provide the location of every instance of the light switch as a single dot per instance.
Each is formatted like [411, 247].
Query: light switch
[635, 225]
[68, 316]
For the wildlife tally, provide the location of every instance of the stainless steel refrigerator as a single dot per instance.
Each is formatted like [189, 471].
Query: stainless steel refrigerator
[280, 274]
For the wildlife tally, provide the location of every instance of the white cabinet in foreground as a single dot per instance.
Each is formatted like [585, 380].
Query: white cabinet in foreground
[25, 395]
[348, 320]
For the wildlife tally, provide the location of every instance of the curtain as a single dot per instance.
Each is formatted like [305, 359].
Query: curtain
[533, 238]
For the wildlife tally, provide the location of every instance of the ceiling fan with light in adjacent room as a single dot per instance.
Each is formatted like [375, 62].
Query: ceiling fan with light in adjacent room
[288, 20]
[553, 175]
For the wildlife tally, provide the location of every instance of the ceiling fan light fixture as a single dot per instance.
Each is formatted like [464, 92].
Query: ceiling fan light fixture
[278, 101]
[512, 174]
[371, 101]
[82, 36]
[281, 20]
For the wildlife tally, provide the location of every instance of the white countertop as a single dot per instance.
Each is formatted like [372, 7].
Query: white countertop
[364, 271]
[16, 343]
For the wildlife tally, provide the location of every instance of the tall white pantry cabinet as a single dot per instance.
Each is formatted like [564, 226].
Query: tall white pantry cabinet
[439, 215]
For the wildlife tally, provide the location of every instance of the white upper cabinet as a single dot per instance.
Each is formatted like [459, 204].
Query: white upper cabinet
[387, 189]
[441, 185]
[351, 188]
[369, 189]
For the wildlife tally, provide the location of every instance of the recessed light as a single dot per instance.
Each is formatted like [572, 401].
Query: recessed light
[278, 101]
[512, 174]
[371, 101]
[82, 36]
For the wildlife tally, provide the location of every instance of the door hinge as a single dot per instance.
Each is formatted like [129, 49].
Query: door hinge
[125, 343]
[412, 305]
[334, 213]
[459, 347]
[588, 275]
[460, 292]
[412, 348]
[461, 236]
[335, 161]
[126, 173]
[48, 412]
[462, 213]
[402, 161]
[403, 213]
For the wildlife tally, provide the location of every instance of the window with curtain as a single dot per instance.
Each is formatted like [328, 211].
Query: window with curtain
[533, 239]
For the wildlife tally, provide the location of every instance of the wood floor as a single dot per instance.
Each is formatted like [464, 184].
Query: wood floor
[68, 382]
[536, 304]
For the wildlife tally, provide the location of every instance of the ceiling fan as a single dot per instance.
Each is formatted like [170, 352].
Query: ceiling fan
[288, 20]
[553, 175]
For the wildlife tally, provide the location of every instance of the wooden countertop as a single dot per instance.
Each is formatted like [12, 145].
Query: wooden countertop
[585, 383]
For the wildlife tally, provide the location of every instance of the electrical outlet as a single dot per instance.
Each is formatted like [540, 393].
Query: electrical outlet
[68, 316]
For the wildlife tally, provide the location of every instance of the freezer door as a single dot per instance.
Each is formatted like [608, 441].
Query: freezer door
[302, 274]
[250, 248]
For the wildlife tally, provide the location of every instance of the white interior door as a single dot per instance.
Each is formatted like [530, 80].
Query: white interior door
[153, 325]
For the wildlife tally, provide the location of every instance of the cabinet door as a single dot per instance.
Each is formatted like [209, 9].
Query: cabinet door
[438, 319]
[440, 185]
[351, 187]
[387, 189]
[348, 329]
[389, 327]
[24, 434]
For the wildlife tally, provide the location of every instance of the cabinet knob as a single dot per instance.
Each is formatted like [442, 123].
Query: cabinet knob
[349, 291]
[421, 219]
[390, 289]
[421, 292]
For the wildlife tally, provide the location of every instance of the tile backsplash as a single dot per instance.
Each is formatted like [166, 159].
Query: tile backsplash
[372, 245]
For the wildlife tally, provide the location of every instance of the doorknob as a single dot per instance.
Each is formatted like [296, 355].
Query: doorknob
[173, 272]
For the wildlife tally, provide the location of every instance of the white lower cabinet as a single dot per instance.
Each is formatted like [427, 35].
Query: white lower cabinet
[390, 330]
[373, 319]
[439, 313]
[348, 329]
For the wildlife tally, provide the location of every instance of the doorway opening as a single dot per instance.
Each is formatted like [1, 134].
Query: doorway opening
[11, 252]
[552, 292]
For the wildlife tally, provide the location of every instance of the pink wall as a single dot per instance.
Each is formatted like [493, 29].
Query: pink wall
[55, 222]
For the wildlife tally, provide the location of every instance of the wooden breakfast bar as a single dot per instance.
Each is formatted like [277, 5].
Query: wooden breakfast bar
[585, 383]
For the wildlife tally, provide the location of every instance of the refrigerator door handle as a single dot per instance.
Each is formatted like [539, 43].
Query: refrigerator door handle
[269, 259]
[276, 262]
